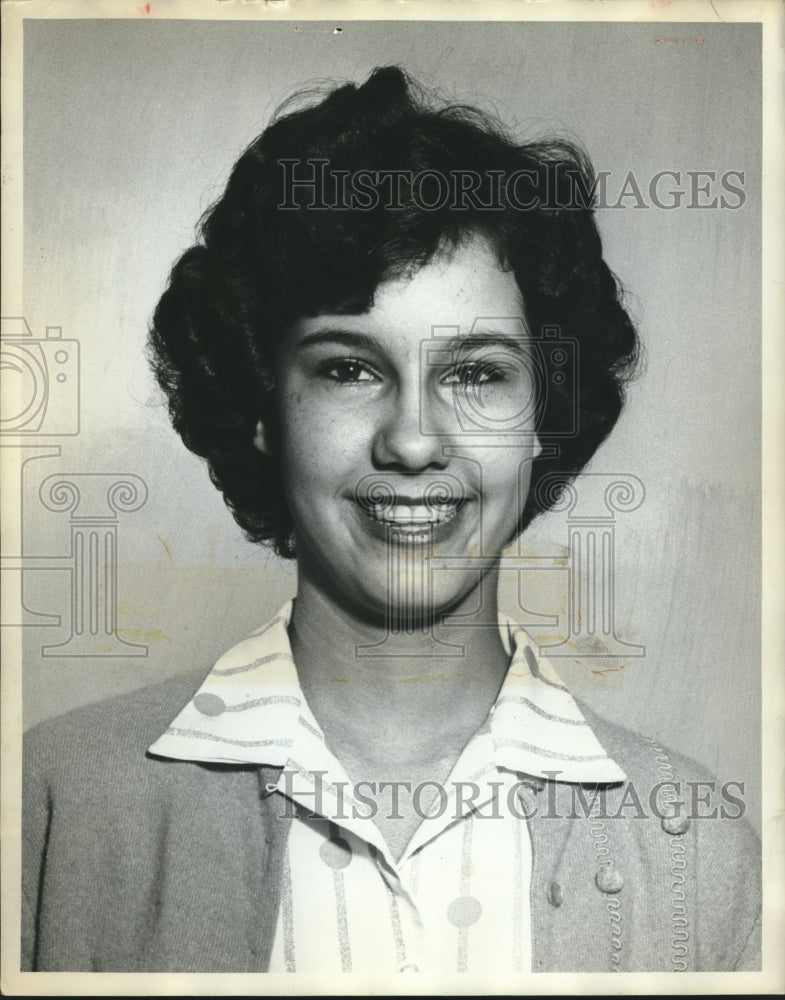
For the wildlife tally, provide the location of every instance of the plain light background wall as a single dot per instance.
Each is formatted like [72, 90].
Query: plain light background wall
[130, 131]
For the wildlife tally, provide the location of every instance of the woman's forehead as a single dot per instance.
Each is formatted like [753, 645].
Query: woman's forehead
[461, 287]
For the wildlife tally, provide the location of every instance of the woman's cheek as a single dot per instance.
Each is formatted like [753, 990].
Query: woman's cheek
[319, 445]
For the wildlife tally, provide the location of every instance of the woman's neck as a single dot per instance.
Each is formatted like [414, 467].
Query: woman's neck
[397, 698]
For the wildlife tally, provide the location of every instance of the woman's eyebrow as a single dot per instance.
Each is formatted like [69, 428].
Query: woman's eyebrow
[474, 340]
[344, 338]
[480, 342]
[489, 338]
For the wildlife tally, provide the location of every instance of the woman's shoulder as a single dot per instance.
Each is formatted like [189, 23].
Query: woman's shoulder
[671, 793]
[672, 850]
[119, 728]
[661, 781]
[643, 755]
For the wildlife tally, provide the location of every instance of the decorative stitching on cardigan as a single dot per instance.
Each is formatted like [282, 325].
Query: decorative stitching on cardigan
[614, 914]
[613, 903]
[679, 921]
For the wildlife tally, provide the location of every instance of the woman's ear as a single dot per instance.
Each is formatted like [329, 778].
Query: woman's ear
[261, 439]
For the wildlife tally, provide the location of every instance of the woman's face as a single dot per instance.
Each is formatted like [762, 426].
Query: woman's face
[406, 436]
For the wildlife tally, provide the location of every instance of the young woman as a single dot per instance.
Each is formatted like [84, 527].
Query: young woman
[387, 776]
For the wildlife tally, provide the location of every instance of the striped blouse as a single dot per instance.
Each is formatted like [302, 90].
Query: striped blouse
[457, 900]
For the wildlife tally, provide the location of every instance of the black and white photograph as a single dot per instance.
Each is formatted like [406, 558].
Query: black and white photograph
[392, 516]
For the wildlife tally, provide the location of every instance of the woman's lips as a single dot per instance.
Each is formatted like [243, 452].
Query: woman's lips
[413, 523]
[403, 515]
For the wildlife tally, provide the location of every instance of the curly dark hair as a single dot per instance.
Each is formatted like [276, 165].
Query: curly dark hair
[268, 254]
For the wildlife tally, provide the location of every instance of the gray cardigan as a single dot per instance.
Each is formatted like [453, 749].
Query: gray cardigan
[138, 864]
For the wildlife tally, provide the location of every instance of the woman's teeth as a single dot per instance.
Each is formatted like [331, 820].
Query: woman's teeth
[404, 515]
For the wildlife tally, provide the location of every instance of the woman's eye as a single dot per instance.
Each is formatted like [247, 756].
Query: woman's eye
[347, 371]
[474, 374]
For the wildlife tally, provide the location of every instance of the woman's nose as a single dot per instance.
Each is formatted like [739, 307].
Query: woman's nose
[408, 436]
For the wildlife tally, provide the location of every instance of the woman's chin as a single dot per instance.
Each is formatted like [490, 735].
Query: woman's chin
[414, 612]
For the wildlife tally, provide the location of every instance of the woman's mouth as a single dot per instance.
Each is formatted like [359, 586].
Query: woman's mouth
[413, 516]
[415, 523]
[417, 515]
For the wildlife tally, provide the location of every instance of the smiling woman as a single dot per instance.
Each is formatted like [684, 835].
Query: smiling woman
[360, 414]
[387, 776]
